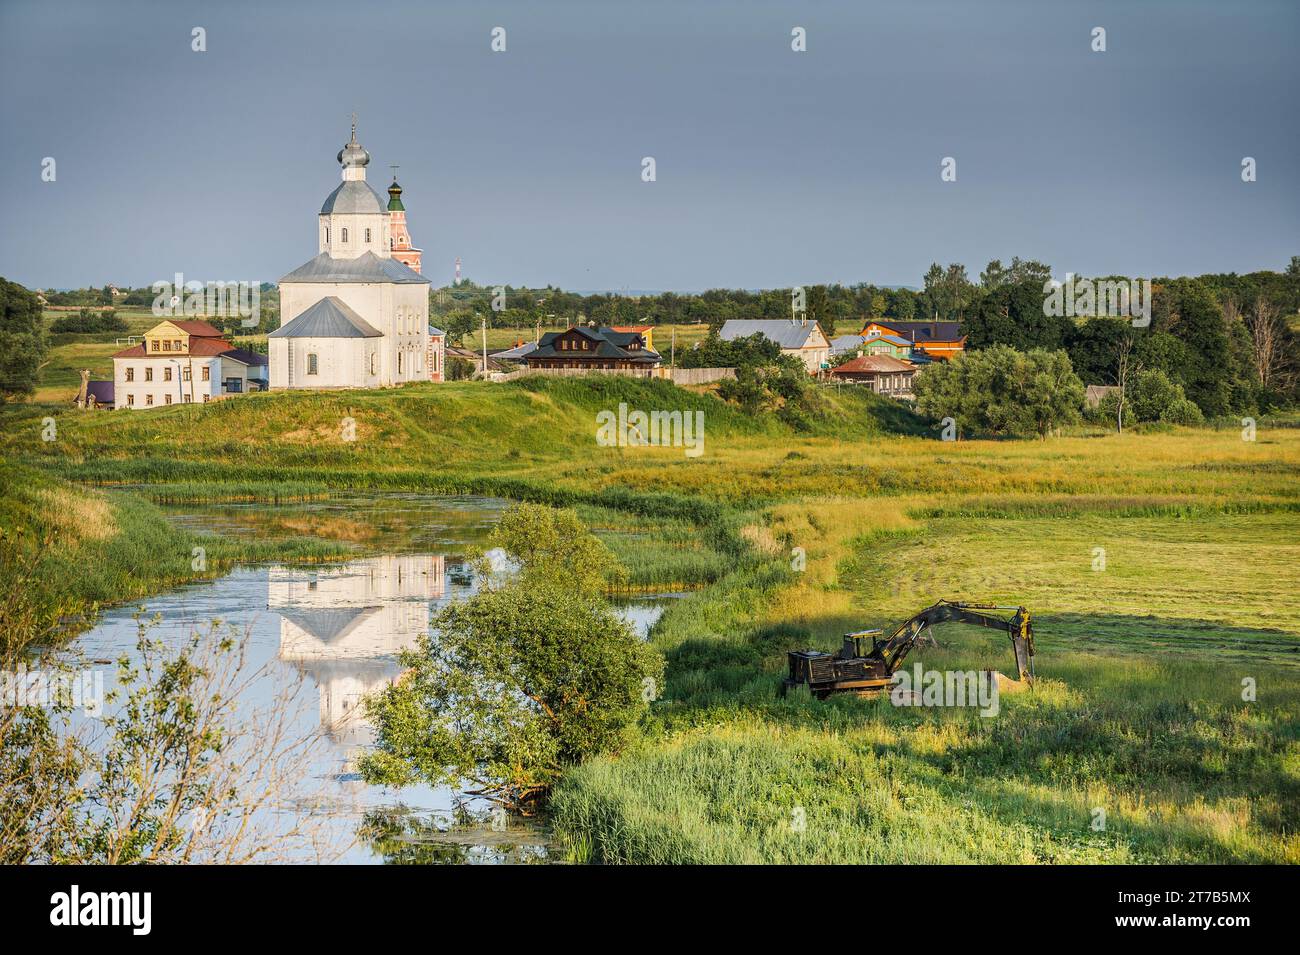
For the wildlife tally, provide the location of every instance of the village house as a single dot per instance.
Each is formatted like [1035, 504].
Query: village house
[803, 339]
[883, 374]
[437, 358]
[892, 345]
[596, 349]
[647, 333]
[936, 340]
[183, 362]
[516, 353]
[1094, 395]
[356, 315]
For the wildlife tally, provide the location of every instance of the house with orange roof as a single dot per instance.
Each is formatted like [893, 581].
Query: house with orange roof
[937, 340]
[184, 362]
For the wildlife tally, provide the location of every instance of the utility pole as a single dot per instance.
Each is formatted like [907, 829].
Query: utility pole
[485, 367]
[672, 349]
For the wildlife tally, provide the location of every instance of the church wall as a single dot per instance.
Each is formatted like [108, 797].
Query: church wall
[356, 225]
[410, 333]
[399, 311]
[364, 298]
[340, 362]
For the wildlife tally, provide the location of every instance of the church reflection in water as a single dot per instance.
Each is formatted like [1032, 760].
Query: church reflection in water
[342, 627]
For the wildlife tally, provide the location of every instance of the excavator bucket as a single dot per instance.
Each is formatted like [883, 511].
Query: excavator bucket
[1022, 645]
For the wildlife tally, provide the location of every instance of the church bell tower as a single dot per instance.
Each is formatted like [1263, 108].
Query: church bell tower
[402, 249]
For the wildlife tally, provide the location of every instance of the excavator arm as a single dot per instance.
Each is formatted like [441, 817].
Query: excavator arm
[891, 650]
[865, 671]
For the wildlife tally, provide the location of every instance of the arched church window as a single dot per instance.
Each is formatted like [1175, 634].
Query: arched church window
[399, 363]
[373, 366]
[311, 364]
[367, 236]
[327, 235]
[345, 236]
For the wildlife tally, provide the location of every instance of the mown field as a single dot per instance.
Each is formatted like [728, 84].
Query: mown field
[1138, 717]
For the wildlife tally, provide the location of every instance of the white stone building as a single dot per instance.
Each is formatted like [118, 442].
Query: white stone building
[353, 316]
[183, 362]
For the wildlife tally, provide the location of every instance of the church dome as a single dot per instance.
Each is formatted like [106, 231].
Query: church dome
[353, 154]
[354, 196]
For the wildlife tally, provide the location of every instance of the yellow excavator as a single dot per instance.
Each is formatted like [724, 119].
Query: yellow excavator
[854, 669]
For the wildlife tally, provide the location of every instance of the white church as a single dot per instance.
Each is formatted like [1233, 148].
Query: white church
[356, 315]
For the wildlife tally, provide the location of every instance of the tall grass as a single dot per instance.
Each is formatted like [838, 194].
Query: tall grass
[1139, 711]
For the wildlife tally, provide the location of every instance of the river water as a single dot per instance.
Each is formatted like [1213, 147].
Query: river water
[328, 635]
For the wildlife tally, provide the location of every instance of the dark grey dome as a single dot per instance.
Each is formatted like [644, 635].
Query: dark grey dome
[353, 154]
[355, 195]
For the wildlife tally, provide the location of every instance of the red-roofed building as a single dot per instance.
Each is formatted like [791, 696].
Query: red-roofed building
[885, 375]
[184, 362]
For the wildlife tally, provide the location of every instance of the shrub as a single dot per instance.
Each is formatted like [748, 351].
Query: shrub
[1107, 411]
[1002, 391]
[1153, 396]
[1182, 411]
[87, 322]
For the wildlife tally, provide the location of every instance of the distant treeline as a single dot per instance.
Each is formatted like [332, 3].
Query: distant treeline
[1224, 338]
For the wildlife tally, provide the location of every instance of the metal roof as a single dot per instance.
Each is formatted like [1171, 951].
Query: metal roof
[435, 332]
[846, 343]
[784, 333]
[365, 268]
[329, 318]
[892, 339]
[921, 332]
[354, 195]
[519, 351]
[607, 345]
[246, 357]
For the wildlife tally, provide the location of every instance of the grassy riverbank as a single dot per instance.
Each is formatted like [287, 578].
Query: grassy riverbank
[66, 551]
[1139, 712]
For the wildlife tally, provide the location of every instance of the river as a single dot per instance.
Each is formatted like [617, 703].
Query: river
[331, 633]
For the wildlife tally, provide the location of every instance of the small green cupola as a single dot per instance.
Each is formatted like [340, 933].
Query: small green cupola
[395, 197]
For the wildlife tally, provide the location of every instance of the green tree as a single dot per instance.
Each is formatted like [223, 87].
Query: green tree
[1155, 397]
[1012, 314]
[1208, 365]
[713, 352]
[1093, 346]
[22, 341]
[545, 541]
[1002, 391]
[523, 679]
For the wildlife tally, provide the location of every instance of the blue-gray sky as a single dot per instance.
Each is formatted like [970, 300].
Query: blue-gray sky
[774, 167]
